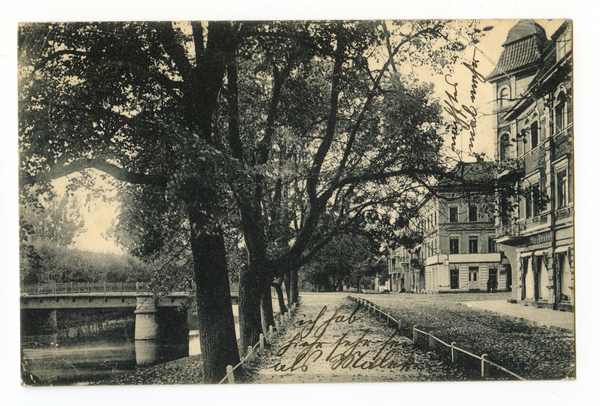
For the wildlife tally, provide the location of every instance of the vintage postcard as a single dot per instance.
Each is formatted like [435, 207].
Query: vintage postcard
[296, 201]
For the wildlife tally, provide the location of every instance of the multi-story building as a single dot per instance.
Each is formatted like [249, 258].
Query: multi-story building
[458, 252]
[534, 130]
[399, 268]
[458, 248]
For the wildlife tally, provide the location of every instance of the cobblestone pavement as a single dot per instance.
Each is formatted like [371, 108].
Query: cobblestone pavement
[533, 351]
[542, 317]
[331, 341]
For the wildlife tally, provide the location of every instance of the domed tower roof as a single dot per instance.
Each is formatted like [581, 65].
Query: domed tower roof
[524, 46]
[524, 29]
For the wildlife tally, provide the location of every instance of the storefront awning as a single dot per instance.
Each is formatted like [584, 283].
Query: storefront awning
[525, 254]
[564, 248]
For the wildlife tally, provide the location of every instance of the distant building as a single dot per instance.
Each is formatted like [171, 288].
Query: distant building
[404, 276]
[459, 249]
[534, 130]
[458, 252]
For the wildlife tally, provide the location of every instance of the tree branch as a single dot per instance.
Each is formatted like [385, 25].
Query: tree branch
[116, 172]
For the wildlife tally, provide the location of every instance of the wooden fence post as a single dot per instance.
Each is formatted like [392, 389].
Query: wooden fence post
[261, 340]
[452, 354]
[270, 331]
[230, 377]
[431, 341]
[398, 324]
[415, 335]
[483, 365]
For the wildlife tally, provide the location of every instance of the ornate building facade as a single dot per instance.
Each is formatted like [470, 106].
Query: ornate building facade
[534, 146]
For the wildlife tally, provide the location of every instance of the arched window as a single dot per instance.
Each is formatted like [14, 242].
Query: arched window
[504, 97]
[562, 113]
[504, 147]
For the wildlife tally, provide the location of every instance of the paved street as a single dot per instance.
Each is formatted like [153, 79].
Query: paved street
[542, 317]
[350, 347]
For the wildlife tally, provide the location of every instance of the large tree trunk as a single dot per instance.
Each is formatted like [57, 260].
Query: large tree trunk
[250, 290]
[280, 299]
[266, 309]
[294, 285]
[215, 315]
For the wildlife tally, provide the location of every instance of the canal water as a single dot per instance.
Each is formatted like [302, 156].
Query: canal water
[77, 357]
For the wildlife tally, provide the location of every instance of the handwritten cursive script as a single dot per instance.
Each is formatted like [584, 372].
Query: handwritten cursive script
[362, 352]
[465, 117]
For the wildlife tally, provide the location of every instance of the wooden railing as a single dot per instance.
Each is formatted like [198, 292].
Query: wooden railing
[434, 342]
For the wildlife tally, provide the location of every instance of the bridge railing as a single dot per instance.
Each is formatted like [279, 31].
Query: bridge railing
[93, 287]
[83, 287]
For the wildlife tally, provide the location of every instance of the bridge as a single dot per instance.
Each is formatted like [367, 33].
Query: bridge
[155, 316]
[97, 295]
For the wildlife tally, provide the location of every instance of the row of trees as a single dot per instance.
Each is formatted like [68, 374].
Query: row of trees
[275, 138]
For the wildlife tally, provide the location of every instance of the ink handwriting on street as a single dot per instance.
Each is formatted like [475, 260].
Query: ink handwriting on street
[342, 353]
[465, 117]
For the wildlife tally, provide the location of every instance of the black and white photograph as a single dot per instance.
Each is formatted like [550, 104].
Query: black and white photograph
[296, 201]
[359, 203]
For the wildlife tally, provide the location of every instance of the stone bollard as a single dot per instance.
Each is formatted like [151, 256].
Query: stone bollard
[230, 377]
[415, 335]
[261, 340]
[249, 352]
[398, 324]
[483, 368]
[453, 353]
[432, 343]
[270, 331]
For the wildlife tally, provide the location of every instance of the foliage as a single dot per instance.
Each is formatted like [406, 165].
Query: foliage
[344, 260]
[51, 218]
[44, 262]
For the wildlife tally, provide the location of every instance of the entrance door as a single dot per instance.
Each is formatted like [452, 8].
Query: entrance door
[473, 277]
[454, 279]
[493, 277]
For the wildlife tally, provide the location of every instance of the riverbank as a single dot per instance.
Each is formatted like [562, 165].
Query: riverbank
[184, 371]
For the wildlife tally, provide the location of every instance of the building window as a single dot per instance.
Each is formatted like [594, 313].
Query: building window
[504, 147]
[528, 204]
[454, 214]
[534, 135]
[558, 117]
[561, 189]
[453, 245]
[492, 248]
[563, 44]
[562, 113]
[473, 245]
[504, 97]
[472, 213]
[535, 199]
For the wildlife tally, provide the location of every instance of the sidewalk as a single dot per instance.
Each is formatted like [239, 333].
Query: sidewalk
[543, 317]
[330, 340]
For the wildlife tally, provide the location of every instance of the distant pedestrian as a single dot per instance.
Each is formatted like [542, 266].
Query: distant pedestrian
[489, 286]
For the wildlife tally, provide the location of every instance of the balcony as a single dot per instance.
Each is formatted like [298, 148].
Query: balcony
[510, 234]
[510, 170]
